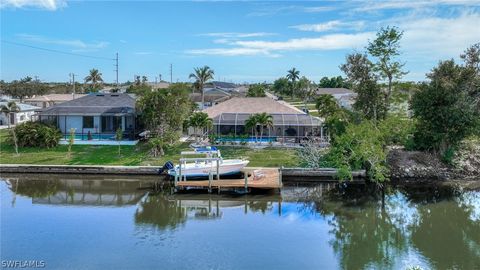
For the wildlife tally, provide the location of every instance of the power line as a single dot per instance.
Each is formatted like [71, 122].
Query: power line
[56, 51]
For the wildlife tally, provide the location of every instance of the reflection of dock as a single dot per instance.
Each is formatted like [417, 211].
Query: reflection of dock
[264, 178]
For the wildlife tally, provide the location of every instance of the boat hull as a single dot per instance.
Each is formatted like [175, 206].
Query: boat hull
[203, 170]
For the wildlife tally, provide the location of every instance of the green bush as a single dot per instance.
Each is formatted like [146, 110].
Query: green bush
[36, 134]
[361, 146]
[397, 130]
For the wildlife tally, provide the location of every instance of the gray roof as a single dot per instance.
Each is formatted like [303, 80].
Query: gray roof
[94, 104]
[22, 106]
[334, 91]
[224, 84]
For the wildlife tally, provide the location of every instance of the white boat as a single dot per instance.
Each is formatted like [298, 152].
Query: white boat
[203, 167]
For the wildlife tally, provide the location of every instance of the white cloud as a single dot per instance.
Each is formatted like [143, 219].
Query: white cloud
[330, 25]
[412, 4]
[440, 37]
[42, 4]
[318, 9]
[77, 44]
[326, 42]
[239, 51]
[274, 48]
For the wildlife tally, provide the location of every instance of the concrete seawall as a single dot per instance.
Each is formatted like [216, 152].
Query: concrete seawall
[306, 173]
[79, 169]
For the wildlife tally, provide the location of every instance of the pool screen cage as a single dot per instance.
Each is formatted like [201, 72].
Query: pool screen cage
[285, 126]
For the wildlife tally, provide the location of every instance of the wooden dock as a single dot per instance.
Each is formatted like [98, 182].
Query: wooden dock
[262, 178]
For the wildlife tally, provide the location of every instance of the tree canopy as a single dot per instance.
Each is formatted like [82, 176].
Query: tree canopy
[256, 90]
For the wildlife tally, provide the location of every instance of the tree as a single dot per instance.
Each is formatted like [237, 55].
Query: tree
[471, 56]
[326, 105]
[256, 90]
[10, 109]
[385, 48]
[282, 86]
[95, 77]
[293, 75]
[201, 76]
[445, 110]
[118, 138]
[306, 89]
[264, 120]
[23, 88]
[71, 141]
[144, 79]
[163, 113]
[200, 120]
[359, 72]
[251, 123]
[334, 82]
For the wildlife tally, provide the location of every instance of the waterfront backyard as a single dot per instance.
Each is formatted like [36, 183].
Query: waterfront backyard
[134, 155]
[65, 222]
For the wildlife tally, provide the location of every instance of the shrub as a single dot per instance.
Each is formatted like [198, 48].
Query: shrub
[397, 130]
[37, 134]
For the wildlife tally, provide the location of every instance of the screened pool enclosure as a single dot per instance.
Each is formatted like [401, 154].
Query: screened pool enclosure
[285, 126]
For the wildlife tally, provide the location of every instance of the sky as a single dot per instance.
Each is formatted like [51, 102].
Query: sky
[241, 41]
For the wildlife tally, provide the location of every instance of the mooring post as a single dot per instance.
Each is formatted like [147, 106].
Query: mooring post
[210, 177]
[180, 170]
[218, 168]
[246, 181]
[280, 176]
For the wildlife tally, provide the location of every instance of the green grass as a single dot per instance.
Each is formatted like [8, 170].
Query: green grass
[133, 155]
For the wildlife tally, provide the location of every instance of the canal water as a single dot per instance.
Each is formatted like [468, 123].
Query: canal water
[70, 222]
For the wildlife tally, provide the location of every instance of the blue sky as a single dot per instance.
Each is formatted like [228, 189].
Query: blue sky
[242, 41]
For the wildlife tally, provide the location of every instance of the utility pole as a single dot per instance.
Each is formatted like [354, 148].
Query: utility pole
[72, 75]
[171, 72]
[116, 68]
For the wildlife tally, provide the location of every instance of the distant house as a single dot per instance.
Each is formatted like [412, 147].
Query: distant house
[51, 99]
[94, 116]
[345, 97]
[212, 97]
[288, 122]
[25, 114]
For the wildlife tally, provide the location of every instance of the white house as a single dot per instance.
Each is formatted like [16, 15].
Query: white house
[25, 114]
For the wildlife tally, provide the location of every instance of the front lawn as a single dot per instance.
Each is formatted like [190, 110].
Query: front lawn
[134, 155]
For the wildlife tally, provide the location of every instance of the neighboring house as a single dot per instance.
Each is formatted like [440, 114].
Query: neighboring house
[25, 114]
[212, 97]
[96, 116]
[51, 99]
[226, 86]
[345, 97]
[289, 122]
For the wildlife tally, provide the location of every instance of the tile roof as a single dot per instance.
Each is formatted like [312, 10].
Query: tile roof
[94, 104]
[333, 91]
[56, 97]
[251, 105]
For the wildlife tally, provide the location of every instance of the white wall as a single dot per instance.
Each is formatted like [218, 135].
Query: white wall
[20, 117]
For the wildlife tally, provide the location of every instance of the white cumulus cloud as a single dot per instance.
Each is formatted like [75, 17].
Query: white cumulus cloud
[42, 4]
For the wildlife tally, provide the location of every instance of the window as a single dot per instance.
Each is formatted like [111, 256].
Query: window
[88, 122]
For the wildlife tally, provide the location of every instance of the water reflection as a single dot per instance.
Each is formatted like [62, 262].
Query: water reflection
[430, 227]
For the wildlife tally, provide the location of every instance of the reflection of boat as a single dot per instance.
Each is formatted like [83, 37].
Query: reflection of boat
[210, 164]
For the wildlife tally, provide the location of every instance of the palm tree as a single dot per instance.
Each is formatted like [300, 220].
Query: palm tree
[201, 76]
[264, 120]
[200, 120]
[95, 77]
[9, 110]
[293, 75]
[251, 123]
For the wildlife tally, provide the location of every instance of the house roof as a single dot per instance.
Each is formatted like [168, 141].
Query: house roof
[251, 105]
[55, 98]
[334, 91]
[22, 106]
[223, 84]
[94, 104]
